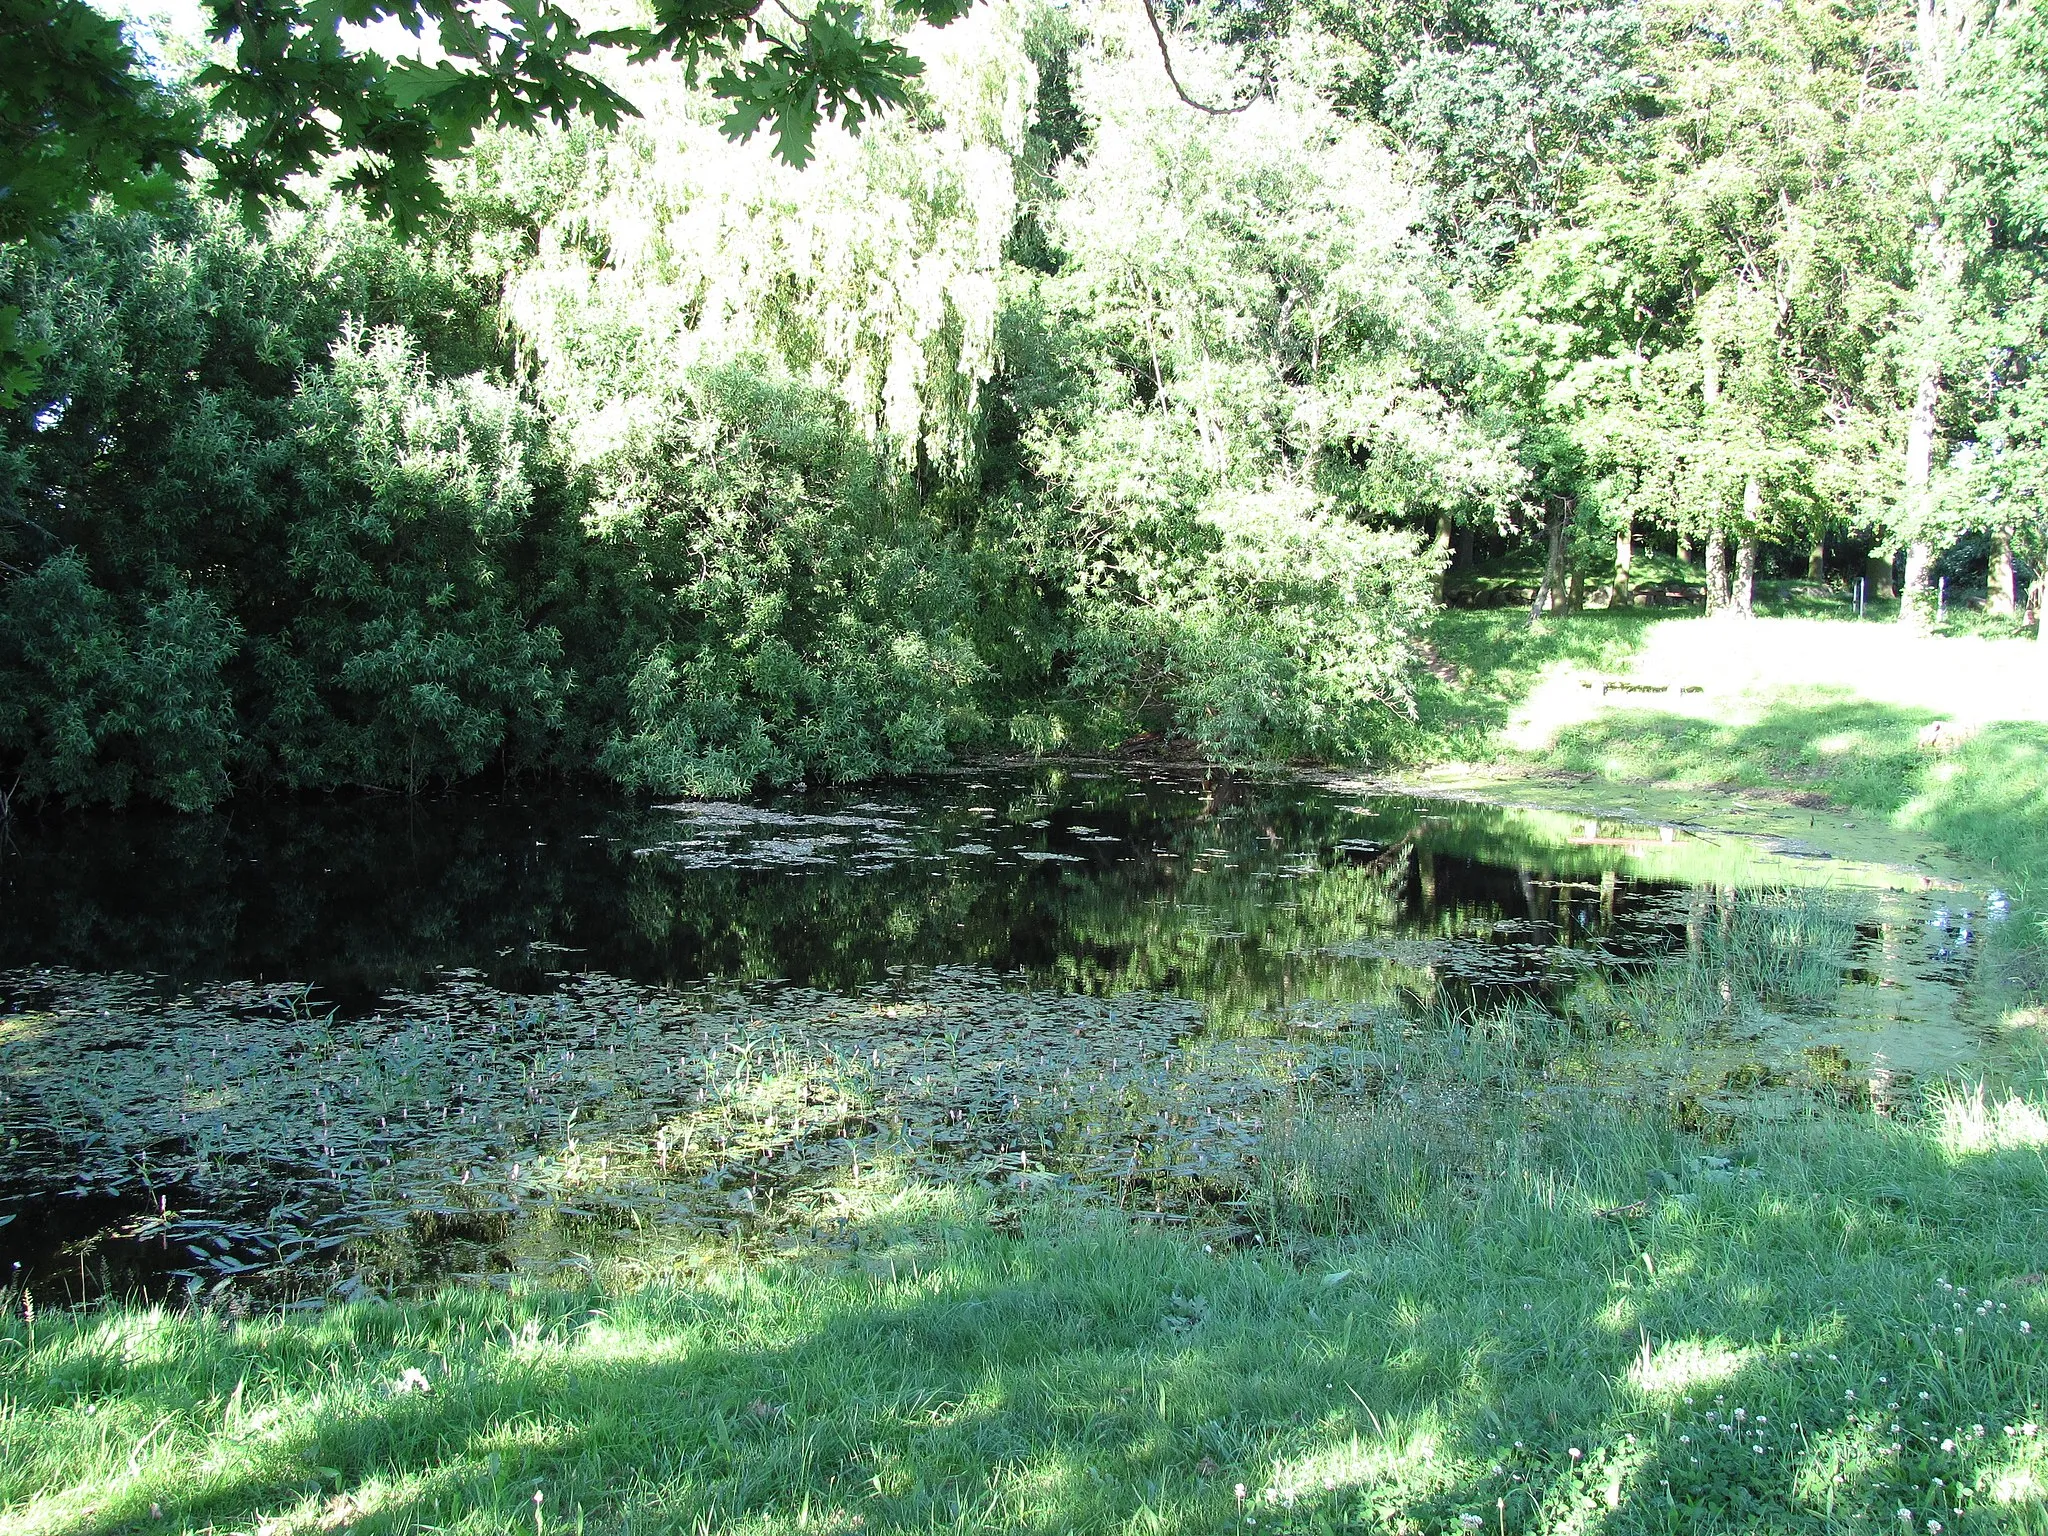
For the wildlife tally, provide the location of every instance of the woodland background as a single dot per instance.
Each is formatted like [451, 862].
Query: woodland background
[1044, 411]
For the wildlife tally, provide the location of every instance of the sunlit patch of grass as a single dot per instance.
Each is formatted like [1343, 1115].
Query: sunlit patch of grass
[1974, 1121]
[1687, 1365]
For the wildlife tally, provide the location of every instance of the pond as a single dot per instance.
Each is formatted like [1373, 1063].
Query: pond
[299, 1050]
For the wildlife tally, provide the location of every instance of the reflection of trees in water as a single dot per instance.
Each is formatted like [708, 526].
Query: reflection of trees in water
[1221, 888]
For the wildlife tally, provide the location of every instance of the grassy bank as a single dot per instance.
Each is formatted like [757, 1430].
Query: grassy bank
[1610, 1267]
[1946, 736]
[1841, 1322]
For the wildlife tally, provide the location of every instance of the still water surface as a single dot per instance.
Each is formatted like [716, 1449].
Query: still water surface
[183, 1000]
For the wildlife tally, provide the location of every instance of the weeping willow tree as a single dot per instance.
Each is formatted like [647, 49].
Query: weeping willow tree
[763, 378]
[872, 276]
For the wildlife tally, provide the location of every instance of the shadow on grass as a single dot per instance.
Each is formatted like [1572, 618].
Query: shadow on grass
[1847, 1295]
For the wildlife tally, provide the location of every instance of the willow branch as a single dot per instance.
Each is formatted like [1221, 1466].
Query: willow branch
[1166, 58]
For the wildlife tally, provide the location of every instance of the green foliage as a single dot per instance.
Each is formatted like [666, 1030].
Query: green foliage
[99, 710]
[789, 614]
[703, 579]
[294, 89]
[1708, 328]
[1038, 413]
[1238, 382]
[412, 657]
[232, 553]
[1997, 123]
[1508, 107]
[79, 118]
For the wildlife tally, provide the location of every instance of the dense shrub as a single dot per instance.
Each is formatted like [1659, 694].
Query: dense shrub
[793, 612]
[661, 460]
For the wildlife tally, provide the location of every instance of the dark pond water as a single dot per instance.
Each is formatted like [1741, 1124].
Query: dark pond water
[241, 1028]
[1222, 889]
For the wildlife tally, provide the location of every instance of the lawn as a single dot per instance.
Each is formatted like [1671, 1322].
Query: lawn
[1945, 735]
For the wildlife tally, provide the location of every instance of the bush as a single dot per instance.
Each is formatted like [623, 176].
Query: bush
[793, 613]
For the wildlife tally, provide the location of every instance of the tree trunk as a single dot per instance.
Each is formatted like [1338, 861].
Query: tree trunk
[1877, 575]
[1999, 597]
[1743, 597]
[1717, 572]
[1464, 556]
[1685, 548]
[1624, 560]
[1916, 593]
[1441, 549]
[1817, 559]
[1550, 593]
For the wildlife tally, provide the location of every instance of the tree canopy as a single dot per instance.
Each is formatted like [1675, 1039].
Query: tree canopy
[296, 87]
[710, 399]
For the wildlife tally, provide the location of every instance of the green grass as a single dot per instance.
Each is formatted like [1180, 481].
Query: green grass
[1985, 795]
[1088, 1376]
[1499, 657]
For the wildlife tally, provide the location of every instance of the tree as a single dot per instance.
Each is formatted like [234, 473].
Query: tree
[1707, 320]
[1505, 108]
[1996, 130]
[1253, 387]
[298, 91]
[79, 118]
[1943, 32]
